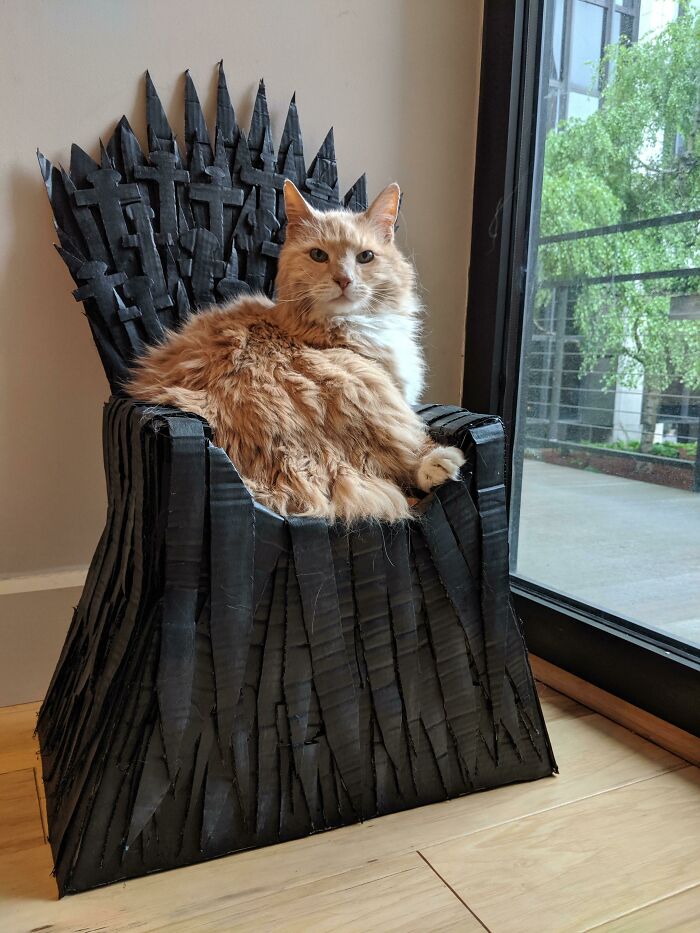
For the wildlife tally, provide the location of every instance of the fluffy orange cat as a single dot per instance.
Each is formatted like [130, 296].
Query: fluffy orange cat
[310, 395]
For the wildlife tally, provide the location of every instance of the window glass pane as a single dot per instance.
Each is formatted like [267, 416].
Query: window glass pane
[606, 484]
[581, 105]
[557, 39]
[587, 37]
[622, 26]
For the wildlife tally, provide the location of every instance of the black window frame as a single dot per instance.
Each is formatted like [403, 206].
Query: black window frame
[652, 672]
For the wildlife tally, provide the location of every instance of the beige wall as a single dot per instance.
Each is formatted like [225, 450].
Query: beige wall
[397, 78]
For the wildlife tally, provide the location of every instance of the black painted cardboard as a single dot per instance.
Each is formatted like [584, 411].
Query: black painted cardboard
[230, 678]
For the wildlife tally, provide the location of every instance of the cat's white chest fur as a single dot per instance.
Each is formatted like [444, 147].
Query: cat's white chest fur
[400, 335]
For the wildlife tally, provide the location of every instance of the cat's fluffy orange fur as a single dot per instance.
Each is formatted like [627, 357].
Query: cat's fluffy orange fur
[308, 394]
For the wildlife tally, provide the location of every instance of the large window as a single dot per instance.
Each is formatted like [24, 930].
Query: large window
[595, 339]
[610, 380]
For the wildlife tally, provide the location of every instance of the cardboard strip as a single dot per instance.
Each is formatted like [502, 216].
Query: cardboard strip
[297, 684]
[495, 587]
[447, 641]
[183, 554]
[456, 578]
[367, 546]
[404, 632]
[270, 696]
[331, 672]
[232, 562]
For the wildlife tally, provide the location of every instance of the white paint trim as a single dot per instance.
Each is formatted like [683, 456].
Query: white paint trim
[49, 580]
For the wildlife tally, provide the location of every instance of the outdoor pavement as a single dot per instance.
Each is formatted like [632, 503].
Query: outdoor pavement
[630, 547]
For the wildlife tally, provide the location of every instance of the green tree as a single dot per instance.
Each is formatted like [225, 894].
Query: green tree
[636, 157]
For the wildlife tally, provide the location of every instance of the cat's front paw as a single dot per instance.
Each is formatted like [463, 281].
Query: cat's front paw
[437, 466]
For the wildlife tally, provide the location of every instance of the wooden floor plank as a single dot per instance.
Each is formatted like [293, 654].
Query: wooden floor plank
[391, 894]
[357, 867]
[18, 748]
[583, 864]
[385, 894]
[557, 706]
[20, 817]
[679, 913]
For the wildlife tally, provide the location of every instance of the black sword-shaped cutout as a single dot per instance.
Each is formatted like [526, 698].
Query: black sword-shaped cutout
[166, 173]
[139, 291]
[253, 235]
[99, 288]
[83, 216]
[202, 265]
[217, 193]
[143, 240]
[109, 195]
[129, 317]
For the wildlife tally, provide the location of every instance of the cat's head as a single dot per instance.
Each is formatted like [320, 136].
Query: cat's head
[340, 265]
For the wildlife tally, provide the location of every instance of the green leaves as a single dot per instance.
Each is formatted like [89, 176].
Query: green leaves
[637, 157]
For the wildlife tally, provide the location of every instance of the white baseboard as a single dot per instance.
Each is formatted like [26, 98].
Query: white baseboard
[59, 579]
[33, 625]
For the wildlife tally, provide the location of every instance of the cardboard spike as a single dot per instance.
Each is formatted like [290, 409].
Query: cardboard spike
[198, 160]
[291, 137]
[105, 160]
[73, 262]
[195, 125]
[356, 198]
[220, 157]
[131, 153]
[81, 165]
[259, 123]
[114, 148]
[322, 177]
[225, 115]
[160, 134]
[182, 304]
[69, 244]
[47, 171]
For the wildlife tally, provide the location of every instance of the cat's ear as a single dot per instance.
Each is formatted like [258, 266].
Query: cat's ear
[384, 210]
[296, 208]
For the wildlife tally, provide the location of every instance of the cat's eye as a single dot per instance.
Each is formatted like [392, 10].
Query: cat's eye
[318, 255]
[365, 256]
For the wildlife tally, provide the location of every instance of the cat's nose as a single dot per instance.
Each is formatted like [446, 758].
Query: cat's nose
[342, 280]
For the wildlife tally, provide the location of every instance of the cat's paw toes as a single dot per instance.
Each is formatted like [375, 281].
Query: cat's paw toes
[436, 467]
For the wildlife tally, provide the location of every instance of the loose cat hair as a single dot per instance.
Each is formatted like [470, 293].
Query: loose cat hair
[310, 394]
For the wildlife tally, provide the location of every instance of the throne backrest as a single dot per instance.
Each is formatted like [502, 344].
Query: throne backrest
[150, 238]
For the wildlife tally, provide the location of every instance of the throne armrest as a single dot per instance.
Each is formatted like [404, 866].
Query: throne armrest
[480, 437]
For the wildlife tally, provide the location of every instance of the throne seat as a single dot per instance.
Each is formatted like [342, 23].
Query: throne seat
[232, 678]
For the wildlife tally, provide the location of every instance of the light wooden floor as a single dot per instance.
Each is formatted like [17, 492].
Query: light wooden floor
[612, 843]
